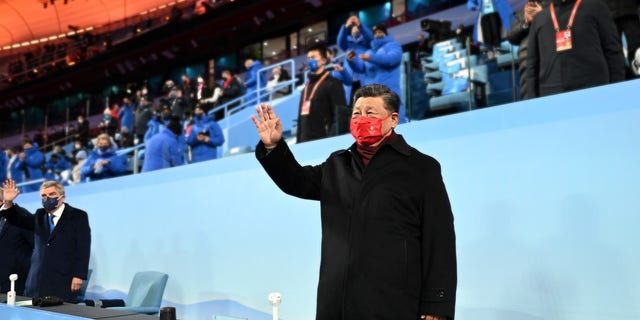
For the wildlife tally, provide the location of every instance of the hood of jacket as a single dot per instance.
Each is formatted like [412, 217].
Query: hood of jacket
[380, 42]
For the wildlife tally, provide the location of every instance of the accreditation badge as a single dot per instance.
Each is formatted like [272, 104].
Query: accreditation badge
[563, 40]
[305, 108]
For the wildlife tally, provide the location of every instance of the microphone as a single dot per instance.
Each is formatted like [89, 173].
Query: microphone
[11, 295]
[275, 298]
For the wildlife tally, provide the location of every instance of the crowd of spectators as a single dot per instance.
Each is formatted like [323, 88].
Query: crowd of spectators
[175, 128]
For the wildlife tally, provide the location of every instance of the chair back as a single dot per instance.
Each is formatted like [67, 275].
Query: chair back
[147, 289]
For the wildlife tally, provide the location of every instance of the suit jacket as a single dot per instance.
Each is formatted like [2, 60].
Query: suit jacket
[16, 246]
[388, 240]
[57, 257]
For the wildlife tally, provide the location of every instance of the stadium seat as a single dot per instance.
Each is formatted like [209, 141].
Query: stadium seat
[145, 293]
[463, 91]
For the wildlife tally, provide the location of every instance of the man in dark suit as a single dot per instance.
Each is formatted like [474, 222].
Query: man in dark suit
[16, 245]
[62, 241]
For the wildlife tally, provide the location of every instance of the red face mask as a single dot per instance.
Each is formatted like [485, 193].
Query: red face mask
[367, 130]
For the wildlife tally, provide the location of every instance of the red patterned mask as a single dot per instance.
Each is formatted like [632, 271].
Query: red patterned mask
[367, 130]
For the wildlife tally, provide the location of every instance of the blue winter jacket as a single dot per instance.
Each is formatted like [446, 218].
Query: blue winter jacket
[202, 151]
[360, 45]
[153, 127]
[126, 116]
[383, 67]
[16, 169]
[53, 168]
[251, 81]
[33, 162]
[116, 166]
[347, 43]
[3, 165]
[162, 151]
[501, 6]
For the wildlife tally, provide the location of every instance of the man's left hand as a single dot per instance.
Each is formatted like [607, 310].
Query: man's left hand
[364, 57]
[76, 284]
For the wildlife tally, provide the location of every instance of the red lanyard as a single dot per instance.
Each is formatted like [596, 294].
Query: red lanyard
[573, 15]
[313, 92]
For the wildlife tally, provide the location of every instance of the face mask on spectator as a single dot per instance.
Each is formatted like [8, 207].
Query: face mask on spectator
[103, 148]
[355, 34]
[312, 65]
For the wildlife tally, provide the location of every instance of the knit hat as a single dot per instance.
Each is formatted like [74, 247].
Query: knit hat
[81, 155]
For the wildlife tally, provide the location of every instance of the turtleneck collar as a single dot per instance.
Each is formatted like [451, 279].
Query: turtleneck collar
[367, 152]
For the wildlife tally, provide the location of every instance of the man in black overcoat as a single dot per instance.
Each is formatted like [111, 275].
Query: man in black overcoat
[62, 241]
[388, 240]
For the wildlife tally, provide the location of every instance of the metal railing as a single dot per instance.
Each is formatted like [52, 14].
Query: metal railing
[254, 98]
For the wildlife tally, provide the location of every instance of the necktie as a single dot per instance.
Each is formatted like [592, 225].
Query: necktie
[51, 225]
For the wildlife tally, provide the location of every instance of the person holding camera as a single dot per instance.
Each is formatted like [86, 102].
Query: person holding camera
[380, 64]
[354, 37]
[205, 136]
[62, 241]
[388, 239]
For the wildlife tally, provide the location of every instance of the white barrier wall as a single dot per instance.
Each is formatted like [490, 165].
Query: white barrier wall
[544, 193]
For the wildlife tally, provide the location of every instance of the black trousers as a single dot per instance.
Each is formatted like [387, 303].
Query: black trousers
[491, 27]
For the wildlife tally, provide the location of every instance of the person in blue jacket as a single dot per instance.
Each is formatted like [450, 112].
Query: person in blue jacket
[340, 71]
[492, 23]
[252, 79]
[164, 149]
[55, 166]
[15, 170]
[32, 161]
[158, 122]
[205, 136]
[125, 113]
[104, 162]
[353, 36]
[4, 160]
[381, 63]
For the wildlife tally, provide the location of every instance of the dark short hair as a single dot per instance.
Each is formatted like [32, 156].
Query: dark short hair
[174, 125]
[390, 98]
[321, 48]
[380, 27]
